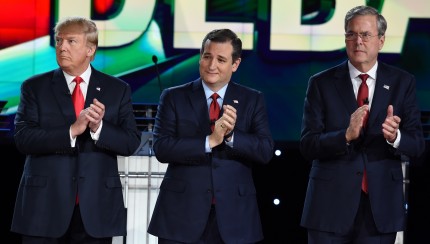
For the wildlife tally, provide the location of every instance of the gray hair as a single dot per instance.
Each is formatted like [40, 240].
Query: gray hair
[367, 10]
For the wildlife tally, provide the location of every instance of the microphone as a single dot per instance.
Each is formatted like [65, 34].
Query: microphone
[155, 61]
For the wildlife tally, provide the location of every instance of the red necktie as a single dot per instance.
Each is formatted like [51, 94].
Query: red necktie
[213, 116]
[78, 103]
[214, 110]
[78, 97]
[363, 98]
[363, 94]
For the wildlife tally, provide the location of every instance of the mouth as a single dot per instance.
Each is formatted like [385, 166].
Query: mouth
[64, 57]
[211, 73]
[359, 51]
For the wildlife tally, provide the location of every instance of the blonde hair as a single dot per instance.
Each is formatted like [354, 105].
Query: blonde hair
[87, 26]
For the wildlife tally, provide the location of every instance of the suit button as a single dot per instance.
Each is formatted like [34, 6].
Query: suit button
[359, 173]
[208, 191]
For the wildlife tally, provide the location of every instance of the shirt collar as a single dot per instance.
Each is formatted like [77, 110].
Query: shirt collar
[354, 72]
[209, 92]
[85, 76]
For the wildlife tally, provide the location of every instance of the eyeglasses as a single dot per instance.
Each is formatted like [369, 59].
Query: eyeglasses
[351, 36]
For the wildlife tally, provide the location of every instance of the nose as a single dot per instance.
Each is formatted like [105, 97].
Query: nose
[61, 46]
[212, 64]
[359, 39]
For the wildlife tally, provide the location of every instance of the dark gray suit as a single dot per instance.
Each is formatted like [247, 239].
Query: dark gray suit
[54, 171]
[183, 205]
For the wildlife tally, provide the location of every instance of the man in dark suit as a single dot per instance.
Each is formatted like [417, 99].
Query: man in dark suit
[355, 189]
[70, 190]
[207, 194]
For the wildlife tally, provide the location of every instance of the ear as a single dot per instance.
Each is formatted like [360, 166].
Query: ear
[91, 51]
[236, 64]
[381, 42]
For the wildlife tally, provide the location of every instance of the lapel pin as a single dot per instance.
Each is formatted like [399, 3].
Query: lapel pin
[387, 87]
[235, 101]
[98, 88]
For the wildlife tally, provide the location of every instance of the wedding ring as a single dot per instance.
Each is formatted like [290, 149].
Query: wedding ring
[222, 126]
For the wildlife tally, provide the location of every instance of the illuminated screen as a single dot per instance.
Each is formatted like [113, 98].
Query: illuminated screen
[284, 42]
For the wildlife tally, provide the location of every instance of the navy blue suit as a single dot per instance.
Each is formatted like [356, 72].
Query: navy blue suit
[334, 187]
[183, 205]
[54, 171]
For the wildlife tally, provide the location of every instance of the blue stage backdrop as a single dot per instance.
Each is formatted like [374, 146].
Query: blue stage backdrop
[284, 41]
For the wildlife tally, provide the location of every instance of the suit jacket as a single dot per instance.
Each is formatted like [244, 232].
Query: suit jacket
[334, 187]
[54, 171]
[183, 205]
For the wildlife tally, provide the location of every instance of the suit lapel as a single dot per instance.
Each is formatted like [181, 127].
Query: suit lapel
[96, 88]
[233, 97]
[381, 95]
[198, 102]
[62, 94]
[344, 88]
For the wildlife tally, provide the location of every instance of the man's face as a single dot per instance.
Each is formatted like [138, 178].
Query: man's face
[73, 53]
[363, 53]
[216, 64]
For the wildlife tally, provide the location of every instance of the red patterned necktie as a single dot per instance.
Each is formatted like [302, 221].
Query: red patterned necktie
[363, 98]
[214, 110]
[77, 96]
[363, 94]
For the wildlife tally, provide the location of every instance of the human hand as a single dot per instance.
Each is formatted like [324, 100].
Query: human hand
[223, 126]
[95, 114]
[390, 125]
[356, 123]
[80, 124]
[228, 119]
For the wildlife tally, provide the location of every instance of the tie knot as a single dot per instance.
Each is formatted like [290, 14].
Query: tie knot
[78, 80]
[215, 96]
[363, 77]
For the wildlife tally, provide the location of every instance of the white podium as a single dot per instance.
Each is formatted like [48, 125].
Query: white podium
[141, 177]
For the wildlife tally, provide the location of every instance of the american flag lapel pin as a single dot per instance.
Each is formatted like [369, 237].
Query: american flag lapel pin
[387, 87]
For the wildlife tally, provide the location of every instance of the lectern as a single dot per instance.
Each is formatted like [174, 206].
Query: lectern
[141, 176]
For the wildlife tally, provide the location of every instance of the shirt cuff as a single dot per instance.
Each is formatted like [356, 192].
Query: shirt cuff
[207, 148]
[396, 142]
[95, 135]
